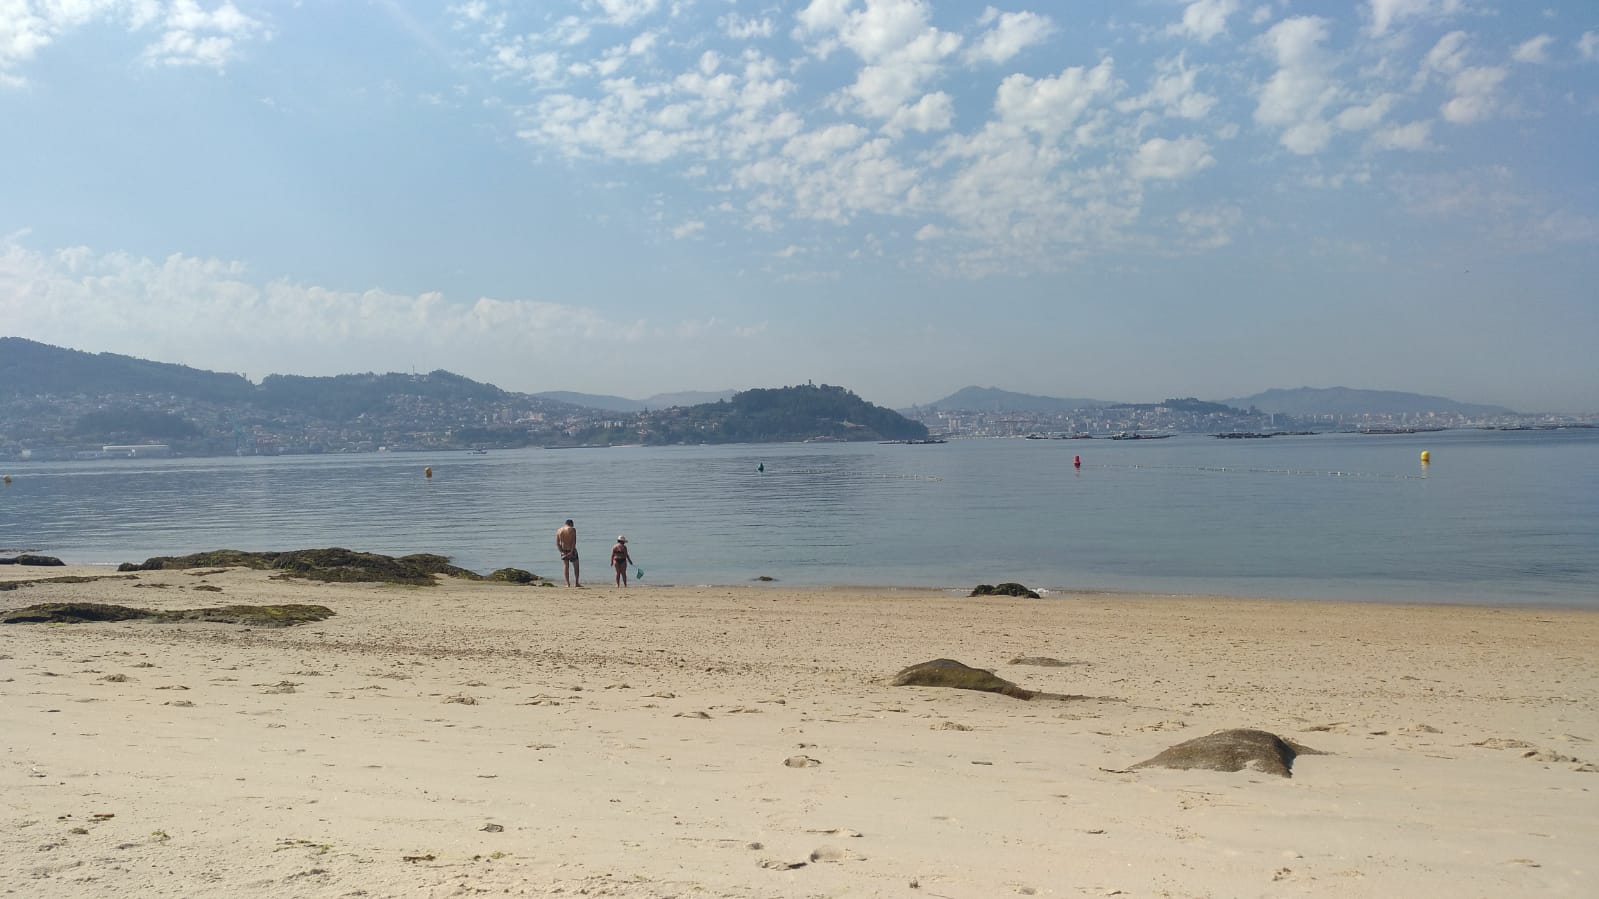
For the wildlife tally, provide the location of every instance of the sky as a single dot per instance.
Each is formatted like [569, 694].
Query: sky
[1120, 199]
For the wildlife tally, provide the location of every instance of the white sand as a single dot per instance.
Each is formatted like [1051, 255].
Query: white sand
[632, 743]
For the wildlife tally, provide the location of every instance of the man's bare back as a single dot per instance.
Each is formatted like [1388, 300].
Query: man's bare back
[566, 545]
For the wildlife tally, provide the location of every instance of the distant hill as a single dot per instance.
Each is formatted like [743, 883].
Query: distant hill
[992, 399]
[623, 404]
[593, 400]
[806, 412]
[1336, 401]
[29, 368]
[59, 401]
[687, 398]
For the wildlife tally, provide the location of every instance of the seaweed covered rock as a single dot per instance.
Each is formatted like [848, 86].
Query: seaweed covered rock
[331, 564]
[1234, 750]
[31, 559]
[960, 676]
[1009, 588]
[80, 612]
[259, 616]
[513, 576]
[217, 558]
[72, 613]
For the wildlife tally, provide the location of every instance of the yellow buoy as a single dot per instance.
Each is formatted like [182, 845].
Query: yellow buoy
[427, 472]
[1426, 457]
[6, 479]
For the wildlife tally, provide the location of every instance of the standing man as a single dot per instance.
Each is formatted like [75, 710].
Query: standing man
[566, 545]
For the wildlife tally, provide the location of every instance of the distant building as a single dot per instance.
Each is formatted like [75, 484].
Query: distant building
[137, 451]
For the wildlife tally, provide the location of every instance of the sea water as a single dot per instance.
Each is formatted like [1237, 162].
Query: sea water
[1497, 517]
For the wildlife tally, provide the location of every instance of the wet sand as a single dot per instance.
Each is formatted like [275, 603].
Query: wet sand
[745, 742]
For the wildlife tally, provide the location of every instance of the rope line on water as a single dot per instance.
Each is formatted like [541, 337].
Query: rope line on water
[1230, 469]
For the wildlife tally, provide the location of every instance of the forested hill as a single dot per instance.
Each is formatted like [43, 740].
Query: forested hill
[776, 415]
[28, 368]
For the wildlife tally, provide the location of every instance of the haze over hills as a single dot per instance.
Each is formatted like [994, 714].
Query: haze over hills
[623, 404]
[993, 399]
[1300, 401]
[58, 403]
[1344, 401]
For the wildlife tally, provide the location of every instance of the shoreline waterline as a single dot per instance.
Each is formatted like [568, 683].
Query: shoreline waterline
[753, 587]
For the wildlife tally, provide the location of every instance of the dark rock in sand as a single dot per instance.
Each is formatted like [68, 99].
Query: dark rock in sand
[1233, 750]
[79, 612]
[332, 564]
[1009, 588]
[62, 579]
[950, 673]
[513, 576]
[72, 612]
[31, 559]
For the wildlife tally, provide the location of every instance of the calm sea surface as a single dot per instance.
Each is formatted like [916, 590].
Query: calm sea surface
[1498, 517]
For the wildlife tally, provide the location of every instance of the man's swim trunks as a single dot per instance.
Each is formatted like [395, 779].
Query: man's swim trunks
[569, 555]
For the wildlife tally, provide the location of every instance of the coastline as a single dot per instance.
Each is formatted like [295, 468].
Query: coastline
[633, 743]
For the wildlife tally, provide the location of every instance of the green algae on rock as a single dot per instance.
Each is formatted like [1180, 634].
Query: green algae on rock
[513, 576]
[1009, 588]
[334, 564]
[31, 559]
[80, 612]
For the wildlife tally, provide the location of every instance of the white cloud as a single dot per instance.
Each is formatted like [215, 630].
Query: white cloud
[1447, 57]
[929, 232]
[1534, 51]
[79, 296]
[1490, 200]
[1209, 229]
[626, 12]
[194, 36]
[740, 28]
[1205, 20]
[1173, 93]
[934, 112]
[1012, 33]
[1476, 95]
[1387, 13]
[1295, 97]
[1160, 158]
[191, 33]
[816, 147]
[1588, 45]
[901, 50]
[1367, 116]
[1049, 106]
[689, 229]
[1411, 136]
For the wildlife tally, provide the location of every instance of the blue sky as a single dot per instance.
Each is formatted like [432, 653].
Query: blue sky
[1123, 200]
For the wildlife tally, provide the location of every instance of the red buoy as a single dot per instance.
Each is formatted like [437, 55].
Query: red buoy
[1077, 461]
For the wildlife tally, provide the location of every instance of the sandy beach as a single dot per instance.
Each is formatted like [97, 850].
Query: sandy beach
[745, 741]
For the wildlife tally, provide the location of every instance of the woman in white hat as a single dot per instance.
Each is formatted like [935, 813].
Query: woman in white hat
[620, 560]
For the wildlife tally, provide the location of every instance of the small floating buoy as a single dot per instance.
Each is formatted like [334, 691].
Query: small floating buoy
[1426, 457]
[1077, 461]
[6, 479]
[427, 472]
[761, 467]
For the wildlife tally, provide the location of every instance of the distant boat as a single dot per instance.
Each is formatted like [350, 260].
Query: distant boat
[477, 452]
